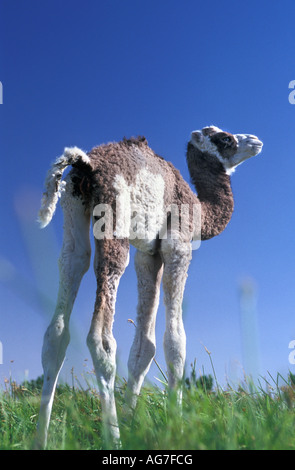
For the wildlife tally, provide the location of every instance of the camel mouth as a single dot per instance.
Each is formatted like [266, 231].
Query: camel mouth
[256, 145]
[249, 142]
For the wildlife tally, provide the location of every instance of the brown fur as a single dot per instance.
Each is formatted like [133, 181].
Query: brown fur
[214, 191]
[127, 157]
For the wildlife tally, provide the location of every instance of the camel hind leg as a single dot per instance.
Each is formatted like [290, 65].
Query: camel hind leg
[73, 263]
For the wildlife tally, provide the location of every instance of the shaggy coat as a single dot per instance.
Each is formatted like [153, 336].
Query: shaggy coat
[110, 184]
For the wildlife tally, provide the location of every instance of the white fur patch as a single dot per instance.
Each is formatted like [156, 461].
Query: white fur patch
[205, 145]
[140, 207]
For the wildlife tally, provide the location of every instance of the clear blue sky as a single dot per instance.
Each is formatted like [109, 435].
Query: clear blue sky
[84, 73]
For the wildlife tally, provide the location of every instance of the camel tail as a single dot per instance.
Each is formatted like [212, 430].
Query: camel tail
[54, 184]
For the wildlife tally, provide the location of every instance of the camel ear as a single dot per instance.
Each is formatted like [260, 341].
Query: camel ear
[197, 137]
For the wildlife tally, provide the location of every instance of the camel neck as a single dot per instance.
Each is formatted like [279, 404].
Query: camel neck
[214, 191]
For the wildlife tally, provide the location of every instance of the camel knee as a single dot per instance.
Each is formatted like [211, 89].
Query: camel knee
[141, 355]
[74, 262]
[56, 340]
[100, 346]
[103, 352]
[83, 260]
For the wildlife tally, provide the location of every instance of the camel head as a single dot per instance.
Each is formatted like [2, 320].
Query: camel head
[230, 149]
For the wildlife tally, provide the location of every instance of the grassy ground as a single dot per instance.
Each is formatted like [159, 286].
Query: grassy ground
[246, 418]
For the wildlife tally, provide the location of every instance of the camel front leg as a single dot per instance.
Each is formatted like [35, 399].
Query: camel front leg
[176, 256]
[149, 273]
[111, 259]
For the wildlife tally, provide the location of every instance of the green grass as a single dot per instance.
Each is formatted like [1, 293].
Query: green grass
[246, 418]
